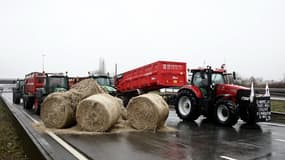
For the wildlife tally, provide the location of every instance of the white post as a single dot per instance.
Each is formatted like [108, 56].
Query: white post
[267, 93]
[43, 61]
[251, 98]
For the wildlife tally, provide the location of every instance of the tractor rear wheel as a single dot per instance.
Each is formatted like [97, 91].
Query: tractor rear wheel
[225, 114]
[186, 106]
[14, 98]
[24, 102]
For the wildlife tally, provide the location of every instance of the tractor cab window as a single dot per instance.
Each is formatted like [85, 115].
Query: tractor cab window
[218, 78]
[19, 84]
[57, 82]
[104, 81]
[199, 80]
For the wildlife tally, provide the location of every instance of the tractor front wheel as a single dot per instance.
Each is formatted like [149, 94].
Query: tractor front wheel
[225, 113]
[247, 114]
[186, 106]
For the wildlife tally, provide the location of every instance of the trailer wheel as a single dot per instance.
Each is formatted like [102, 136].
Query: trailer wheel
[17, 100]
[24, 102]
[225, 114]
[186, 106]
[38, 110]
[28, 102]
[14, 98]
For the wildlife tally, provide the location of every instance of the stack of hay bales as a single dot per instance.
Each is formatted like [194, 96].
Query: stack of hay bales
[58, 109]
[95, 111]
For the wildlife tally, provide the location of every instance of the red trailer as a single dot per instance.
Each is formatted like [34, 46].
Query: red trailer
[38, 85]
[32, 81]
[157, 75]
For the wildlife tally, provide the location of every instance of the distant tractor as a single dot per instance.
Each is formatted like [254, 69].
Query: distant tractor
[39, 85]
[18, 91]
[105, 81]
[211, 95]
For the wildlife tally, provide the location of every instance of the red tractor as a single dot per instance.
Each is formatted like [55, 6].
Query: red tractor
[210, 94]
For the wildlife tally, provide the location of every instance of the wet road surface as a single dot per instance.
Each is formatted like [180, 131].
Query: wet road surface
[193, 140]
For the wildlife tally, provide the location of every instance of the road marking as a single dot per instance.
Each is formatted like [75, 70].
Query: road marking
[65, 145]
[228, 158]
[273, 124]
[35, 121]
[280, 140]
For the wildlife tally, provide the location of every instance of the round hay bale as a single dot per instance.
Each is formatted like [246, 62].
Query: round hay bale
[148, 111]
[58, 109]
[87, 88]
[98, 113]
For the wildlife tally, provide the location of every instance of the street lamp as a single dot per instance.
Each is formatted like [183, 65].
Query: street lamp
[43, 58]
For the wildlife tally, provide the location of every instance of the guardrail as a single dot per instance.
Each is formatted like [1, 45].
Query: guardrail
[280, 92]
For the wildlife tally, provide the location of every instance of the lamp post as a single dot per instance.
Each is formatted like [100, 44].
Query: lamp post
[43, 58]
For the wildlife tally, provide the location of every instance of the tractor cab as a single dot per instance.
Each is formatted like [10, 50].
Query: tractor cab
[52, 82]
[206, 79]
[55, 83]
[105, 81]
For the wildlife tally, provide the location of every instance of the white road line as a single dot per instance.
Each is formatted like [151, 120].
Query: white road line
[35, 121]
[273, 124]
[65, 145]
[228, 158]
[280, 140]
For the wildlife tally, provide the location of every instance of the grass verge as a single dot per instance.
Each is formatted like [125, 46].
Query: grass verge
[11, 145]
[278, 106]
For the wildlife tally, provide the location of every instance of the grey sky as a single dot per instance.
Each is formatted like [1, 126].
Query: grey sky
[248, 35]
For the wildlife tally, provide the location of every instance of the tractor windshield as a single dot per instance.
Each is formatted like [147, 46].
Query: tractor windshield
[20, 84]
[218, 78]
[104, 81]
[57, 82]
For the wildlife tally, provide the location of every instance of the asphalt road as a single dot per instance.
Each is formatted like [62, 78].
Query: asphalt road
[193, 140]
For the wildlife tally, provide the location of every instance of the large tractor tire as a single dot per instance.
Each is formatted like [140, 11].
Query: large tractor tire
[17, 100]
[186, 106]
[247, 115]
[225, 113]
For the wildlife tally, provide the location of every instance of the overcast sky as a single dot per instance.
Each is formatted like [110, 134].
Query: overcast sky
[247, 35]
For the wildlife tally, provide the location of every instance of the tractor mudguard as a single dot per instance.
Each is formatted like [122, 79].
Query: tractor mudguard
[194, 89]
